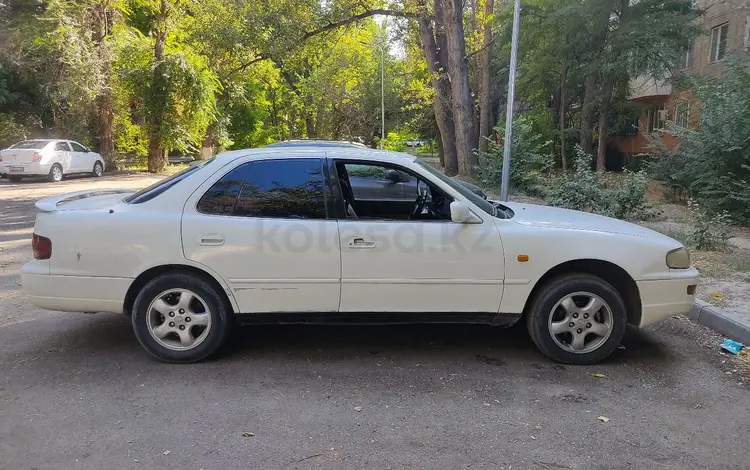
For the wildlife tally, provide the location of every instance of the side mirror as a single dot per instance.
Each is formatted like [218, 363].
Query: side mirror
[393, 176]
[461, 214]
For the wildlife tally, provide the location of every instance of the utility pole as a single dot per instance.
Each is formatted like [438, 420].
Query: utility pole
[382, 48]
[511, 96]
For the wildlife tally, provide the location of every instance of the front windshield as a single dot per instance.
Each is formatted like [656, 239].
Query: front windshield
[150, 192]
[463, 190]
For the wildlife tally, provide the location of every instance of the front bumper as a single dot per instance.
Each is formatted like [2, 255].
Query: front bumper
[73, 293]
[660, 299]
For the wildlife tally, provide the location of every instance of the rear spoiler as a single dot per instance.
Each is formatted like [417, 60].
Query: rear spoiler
[50, 204]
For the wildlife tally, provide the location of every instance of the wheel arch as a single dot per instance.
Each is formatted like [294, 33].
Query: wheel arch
[610, 272]
[151, 273]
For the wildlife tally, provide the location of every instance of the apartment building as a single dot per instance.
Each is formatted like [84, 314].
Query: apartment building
[726, 25]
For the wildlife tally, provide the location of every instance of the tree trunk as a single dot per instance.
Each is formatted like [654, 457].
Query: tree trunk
[207, 145]
[101, 28]
[600, 28]
[458, 72]
[603, 112]
[441, 152]
[587, 112]
[561, 117]
[485, 103]
[157, 158]
[440, 83]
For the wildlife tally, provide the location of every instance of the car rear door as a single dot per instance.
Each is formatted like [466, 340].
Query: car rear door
[63, 155]
[263, 225]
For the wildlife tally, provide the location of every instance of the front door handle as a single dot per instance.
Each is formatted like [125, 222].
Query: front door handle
[359, 242]
[211, 239]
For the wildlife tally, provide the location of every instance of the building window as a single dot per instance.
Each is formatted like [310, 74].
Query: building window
[719, 36]
[657, 117]
[682, 114]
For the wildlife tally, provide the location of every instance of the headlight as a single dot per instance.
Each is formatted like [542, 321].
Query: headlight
[678, 259]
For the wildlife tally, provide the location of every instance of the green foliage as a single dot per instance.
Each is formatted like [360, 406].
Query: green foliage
[10, 131]
[180, 100]
[713, 161]
[396, 140]
[622, 197]
[708, 230]
[529, 160]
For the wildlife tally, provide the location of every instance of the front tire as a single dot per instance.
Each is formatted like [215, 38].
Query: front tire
[55, 173]
[181, 318]
[577, 319]
[98, 169]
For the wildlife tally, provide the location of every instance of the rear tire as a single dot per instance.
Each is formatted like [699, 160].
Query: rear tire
[181, 318]
[577, 319]
[55, 173]
[15, 179]
[98, 169]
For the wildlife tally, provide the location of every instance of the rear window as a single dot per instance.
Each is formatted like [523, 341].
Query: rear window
[150, 192]
[31, 144]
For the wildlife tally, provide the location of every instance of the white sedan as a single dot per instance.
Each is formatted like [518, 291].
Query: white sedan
[279, 235]
[53, 158]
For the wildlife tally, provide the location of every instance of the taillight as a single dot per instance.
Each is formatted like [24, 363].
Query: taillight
[42, 247]
[37, 157]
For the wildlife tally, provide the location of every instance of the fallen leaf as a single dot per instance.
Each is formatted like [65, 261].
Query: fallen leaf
[357, 409]
[603, 419]
[248, 434]
[166, 452]
[599, 376]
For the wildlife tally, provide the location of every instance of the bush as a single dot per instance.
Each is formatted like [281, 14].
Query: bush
[623, 197]
[707, 230]
[529, 160]
[712, 161]
[10, 131]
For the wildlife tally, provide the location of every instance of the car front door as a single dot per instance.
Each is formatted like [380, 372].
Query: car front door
[64, 156]
[418, 263]
[81, 158]
[264, 227]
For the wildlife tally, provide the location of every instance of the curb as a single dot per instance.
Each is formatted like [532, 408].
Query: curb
[721, 321]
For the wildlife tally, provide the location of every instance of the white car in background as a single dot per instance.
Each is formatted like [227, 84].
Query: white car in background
[53, 158]
[280, 235]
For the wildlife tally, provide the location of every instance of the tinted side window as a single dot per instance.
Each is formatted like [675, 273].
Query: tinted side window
[222, 197]
[291, 188]
[62, 147]
[77, 147]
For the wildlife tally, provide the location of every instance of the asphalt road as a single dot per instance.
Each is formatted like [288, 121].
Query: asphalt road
[77, 392]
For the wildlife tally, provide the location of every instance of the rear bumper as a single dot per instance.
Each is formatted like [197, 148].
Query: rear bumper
[29, 169]
[74, 293]
[663, 298]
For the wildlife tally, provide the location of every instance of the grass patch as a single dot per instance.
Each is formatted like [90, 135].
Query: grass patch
[169, 170]
[733, 264]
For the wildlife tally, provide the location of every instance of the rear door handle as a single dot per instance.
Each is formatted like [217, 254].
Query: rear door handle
[359, 242]
[211, 239]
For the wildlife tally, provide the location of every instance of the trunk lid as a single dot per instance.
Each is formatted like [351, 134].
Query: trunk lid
[83, 200]
[19, 156]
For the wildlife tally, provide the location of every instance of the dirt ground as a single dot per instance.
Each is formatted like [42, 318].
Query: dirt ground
[17, 213]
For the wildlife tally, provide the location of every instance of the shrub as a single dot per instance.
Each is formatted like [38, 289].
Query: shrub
[707, 230]
[10, 131]
[712, 161]
[623, 197]
[529, 160]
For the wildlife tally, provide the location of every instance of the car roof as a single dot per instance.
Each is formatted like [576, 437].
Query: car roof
[316, 143]
[350, 153]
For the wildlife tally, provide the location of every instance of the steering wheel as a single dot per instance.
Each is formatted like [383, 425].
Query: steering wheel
[419, 203]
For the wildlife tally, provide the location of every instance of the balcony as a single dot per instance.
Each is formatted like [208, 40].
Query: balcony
[645, 87]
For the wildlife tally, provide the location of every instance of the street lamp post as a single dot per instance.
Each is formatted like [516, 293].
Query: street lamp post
[382, 49]
[511, 96]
